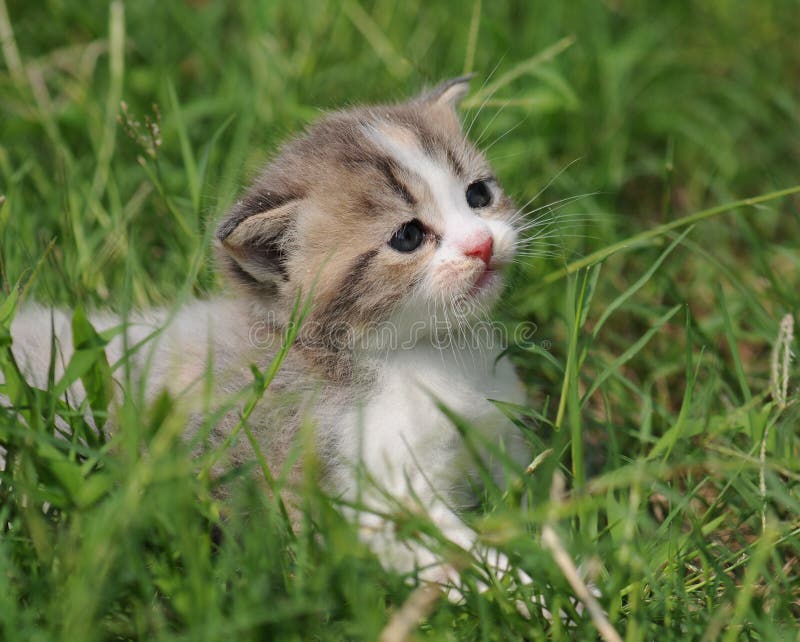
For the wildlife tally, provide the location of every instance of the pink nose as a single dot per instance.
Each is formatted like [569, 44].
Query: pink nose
[481, 250]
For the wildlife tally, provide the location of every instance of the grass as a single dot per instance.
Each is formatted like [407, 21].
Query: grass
[656, 374]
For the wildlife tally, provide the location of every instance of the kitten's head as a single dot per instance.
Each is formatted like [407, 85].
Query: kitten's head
[384, 213]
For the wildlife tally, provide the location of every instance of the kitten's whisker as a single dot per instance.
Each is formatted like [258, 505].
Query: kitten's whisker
[503, 135]
[557, 176]
[464, 328]
[486, 100]
[504, 156]
[555, 213]
[548, 255]
[528, 236]
[450, 338]
[550, 182]
[574, 236]
[550, 231]
[549, 241]
[557, 234]
[553, 205]
[546, 226]
[552, 250]
[553, 217]
[547, 248]
[477, 142]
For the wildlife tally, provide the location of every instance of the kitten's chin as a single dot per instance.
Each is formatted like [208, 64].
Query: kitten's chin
[487, 286]
[488, 279]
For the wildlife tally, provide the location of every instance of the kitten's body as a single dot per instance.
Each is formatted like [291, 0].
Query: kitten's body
[335, 215]
[395, 394]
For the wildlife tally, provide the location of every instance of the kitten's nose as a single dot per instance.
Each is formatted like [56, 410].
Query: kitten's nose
[481, 250]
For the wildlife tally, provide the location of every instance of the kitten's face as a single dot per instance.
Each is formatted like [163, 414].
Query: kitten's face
[386, 212]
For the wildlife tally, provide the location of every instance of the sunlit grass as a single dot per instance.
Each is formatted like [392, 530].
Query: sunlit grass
[662, 142]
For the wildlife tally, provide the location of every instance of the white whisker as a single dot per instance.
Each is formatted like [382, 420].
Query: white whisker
[486, 100]
[503, 135]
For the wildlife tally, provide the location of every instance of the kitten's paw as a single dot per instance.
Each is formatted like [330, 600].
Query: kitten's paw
[501, 566]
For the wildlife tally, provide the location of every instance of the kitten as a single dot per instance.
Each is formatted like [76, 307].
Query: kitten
[392, 221]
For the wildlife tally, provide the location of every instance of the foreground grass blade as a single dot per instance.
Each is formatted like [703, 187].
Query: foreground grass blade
[637, 239]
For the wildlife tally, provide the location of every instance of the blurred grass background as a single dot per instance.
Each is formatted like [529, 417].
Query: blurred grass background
[646, 110]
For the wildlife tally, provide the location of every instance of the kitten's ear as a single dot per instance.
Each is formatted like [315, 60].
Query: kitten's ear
[449, 93]
[254, 237]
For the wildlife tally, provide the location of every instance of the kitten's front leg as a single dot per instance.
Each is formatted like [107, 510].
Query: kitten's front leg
[406, 555]
[456, 531]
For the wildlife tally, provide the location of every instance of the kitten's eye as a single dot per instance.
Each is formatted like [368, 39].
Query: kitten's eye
[409, 237]
[478, 194]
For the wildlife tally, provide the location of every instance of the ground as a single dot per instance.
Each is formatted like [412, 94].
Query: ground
[658, 373]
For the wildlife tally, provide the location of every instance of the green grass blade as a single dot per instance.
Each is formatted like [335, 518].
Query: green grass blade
[189, 164]
[520, 69]
[637, 285]
[629, 353]
[638, 239]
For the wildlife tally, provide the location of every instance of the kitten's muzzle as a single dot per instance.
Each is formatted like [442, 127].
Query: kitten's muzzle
[481, 250]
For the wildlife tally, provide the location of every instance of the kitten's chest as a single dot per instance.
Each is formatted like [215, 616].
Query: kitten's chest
[401, 420]
[413, 383]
